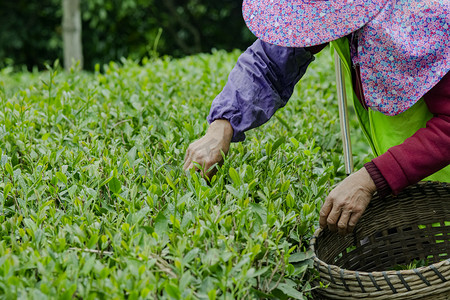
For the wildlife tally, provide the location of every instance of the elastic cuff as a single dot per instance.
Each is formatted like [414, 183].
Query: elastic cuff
[383, 188]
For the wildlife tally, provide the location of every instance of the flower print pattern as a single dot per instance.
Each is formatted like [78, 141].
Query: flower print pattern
[403, 53]
[301, 23]
[403, 45]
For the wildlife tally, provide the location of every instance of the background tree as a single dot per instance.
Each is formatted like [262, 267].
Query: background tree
[32, 33]
[71, 24]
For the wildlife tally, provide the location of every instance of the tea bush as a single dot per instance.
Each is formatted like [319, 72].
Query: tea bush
[95, 203]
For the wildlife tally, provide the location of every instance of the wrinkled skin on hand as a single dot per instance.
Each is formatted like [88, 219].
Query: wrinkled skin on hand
[207, 150]
[347, 202]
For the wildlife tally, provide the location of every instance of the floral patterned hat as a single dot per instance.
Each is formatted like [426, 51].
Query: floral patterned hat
[301, 23]
[403, 45]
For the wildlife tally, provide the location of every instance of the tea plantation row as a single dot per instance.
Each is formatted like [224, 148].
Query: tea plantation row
[95, 204]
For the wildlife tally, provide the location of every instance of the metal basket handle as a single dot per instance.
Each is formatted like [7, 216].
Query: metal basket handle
[343, 114]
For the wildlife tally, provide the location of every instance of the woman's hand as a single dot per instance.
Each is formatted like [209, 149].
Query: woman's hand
[347, 202]
[207, 150]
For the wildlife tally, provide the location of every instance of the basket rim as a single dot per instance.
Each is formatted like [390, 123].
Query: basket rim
[317, 260]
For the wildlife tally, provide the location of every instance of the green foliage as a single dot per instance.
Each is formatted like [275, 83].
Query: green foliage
[31, 32]
[94, 202]
[412, 265]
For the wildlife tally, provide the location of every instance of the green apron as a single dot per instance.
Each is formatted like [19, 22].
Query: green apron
[384, 132]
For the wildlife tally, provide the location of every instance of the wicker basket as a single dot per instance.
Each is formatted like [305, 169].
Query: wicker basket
[394, 231]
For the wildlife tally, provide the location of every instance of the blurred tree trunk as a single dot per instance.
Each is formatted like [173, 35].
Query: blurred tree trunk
[71, 24]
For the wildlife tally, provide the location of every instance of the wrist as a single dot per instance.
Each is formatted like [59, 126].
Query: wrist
[222, 128]
[383, 188]
[368, 181]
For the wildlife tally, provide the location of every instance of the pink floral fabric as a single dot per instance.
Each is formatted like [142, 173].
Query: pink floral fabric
[403, 52]
[403, 45]
[301, 23]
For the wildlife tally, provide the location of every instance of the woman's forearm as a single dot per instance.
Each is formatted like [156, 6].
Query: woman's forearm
[262, 81]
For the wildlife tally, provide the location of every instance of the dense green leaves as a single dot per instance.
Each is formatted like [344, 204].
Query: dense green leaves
[95, 203]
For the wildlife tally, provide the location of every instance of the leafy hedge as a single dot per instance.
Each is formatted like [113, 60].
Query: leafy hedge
[31, 32]
[94, 202]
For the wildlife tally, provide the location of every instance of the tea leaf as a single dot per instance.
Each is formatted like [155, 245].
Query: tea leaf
[62, 177]
[114, 185]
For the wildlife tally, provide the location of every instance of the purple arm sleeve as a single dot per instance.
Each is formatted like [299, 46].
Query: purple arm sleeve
[262, 81]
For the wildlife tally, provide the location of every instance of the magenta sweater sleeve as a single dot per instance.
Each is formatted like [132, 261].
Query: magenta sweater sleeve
[425, 152]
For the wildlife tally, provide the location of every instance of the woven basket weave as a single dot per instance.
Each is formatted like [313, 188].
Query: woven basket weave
[395, 231]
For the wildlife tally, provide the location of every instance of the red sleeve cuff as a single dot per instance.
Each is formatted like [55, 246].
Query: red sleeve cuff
[392, 171]
[383, 188]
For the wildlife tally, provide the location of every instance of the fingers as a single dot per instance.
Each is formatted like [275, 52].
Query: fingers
[342, 225]
[347, 202]
[192, 159]
[353, 220]
[333, 218]
[351, 223]
[337, 219]
[193, 156]
[206, 152]
[200, 155]
[324, 212]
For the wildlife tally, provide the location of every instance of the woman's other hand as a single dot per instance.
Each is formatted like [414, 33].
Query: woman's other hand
[207, 150]
[347, 202]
